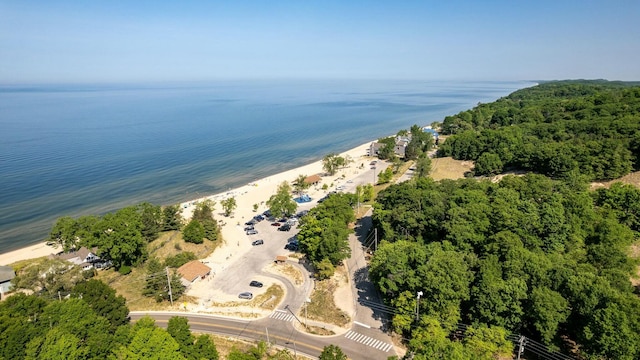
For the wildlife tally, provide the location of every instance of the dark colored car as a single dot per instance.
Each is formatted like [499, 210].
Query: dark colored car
[285, 227]
[257, 242]
[251, 232]
[250, 227]
[245, 295]
[255, 283]
[275, 224]
[258, 218]
[250, 222]
[292, 247]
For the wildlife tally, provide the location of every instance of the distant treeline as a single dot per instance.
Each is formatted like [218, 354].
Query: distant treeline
[560, 129]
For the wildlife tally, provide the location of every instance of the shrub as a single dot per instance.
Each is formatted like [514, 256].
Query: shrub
[124, 269]
[179, 259]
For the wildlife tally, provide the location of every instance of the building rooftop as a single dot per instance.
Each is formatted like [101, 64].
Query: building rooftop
[193, 270]
[6, 273]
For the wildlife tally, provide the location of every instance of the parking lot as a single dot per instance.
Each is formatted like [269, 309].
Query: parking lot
[233, 275]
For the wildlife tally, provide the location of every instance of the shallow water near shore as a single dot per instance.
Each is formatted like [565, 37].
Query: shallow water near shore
[89, 149]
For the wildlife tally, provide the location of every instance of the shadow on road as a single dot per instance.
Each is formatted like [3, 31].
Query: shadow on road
[367, 293]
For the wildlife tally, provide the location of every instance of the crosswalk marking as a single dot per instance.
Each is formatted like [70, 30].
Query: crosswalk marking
[368, 341]
[281, 315]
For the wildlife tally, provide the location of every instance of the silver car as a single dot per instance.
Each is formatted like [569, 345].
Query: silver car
[246, 295]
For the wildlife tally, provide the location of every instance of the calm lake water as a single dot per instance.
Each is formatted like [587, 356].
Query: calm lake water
[89, 149]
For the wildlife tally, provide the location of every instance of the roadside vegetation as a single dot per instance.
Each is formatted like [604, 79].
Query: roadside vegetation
[322, 306]
[93, 323]
[324, 233]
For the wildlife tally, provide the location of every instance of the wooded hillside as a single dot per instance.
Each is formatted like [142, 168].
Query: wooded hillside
[561, 129]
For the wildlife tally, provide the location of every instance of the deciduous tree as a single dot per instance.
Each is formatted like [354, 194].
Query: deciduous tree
[281, 203]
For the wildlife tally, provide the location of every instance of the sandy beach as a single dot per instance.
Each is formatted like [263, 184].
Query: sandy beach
[257, 192]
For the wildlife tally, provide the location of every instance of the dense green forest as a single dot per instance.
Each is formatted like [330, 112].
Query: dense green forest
[531, 255]
[560, 129]
[93, 323]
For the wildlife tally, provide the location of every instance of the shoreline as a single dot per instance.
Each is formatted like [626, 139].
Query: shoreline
[256, 192]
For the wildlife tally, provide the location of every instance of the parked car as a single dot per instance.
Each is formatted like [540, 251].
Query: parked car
[291, 246]
[251, 232]
[250, 227]
[267, 213]
[245, 295]
[275, 224]
[302, 213]
[285, 227]
[250, 222]
[258, 242]
[258, 218]
[255, 283]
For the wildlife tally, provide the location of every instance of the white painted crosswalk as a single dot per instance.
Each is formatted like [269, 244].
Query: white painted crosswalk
[368, 341]
[281, 315]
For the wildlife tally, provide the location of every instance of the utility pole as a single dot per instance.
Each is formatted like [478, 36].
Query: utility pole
[169, 282]
[375, 237]
[267, 329]
[294, 315]
[418, 305]
[521, 343]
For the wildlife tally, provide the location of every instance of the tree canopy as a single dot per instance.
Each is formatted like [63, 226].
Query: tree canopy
[559, 129]
[531, 255]
[281, 203]
[324, 232]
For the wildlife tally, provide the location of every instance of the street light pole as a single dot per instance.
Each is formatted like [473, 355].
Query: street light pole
[420, 293]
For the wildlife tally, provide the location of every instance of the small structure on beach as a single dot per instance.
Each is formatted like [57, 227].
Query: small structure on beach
[6, 275]
[280, 259]
[193, 271]
[313, 179]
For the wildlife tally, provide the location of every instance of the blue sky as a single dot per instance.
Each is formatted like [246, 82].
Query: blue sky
[115, 41]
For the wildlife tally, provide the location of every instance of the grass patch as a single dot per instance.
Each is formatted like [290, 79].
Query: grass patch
[171, 243]
[322, 307]
[130, 286]
[448, 168]
[316, 330]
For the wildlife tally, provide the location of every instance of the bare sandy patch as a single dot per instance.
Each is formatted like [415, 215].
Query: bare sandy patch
[631, 179]
[287, 270]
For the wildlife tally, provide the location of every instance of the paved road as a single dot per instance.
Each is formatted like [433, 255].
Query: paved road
[356, 344]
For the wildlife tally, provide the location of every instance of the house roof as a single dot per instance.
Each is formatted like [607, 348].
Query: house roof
[193, 270]
[6, 273]
[81, 254]
[312, 179]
